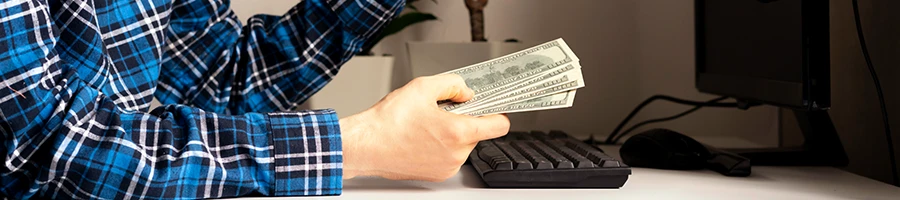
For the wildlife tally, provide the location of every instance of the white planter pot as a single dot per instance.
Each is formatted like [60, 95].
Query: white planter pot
[429, 58]
[359, 84]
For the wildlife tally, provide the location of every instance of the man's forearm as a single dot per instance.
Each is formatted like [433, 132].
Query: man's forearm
[274, 63]
[99, 151]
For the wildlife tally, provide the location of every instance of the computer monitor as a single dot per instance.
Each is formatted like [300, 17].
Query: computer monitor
[772, 52]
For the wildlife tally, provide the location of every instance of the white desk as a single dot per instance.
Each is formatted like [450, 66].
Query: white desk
[765, 183]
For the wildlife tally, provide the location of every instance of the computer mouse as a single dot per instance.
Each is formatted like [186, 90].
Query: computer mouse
[664, 149]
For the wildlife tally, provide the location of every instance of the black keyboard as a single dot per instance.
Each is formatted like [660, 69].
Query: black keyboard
[540, 160]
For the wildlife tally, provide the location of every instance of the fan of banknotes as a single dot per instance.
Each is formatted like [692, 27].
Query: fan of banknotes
[538, 78]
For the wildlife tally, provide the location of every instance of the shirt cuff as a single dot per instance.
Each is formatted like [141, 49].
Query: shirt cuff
[308, 156]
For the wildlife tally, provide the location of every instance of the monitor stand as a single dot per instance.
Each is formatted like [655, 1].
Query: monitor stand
[821, 145]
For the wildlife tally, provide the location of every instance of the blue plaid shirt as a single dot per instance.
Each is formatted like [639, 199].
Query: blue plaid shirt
[78, 77]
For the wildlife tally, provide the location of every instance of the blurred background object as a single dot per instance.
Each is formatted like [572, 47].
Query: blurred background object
[476, 19]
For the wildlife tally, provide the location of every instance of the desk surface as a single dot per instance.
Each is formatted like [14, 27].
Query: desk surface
[764, 183]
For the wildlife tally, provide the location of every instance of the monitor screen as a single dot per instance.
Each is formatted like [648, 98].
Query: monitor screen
[766, 51]
[755, 39]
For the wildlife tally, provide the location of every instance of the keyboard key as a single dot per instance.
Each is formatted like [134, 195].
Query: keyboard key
[591, 153]
[577, 159]
[539, 161]
[581, 147]
[516, 135]
[558, 134]
[557, 159]
[558, 144]
[494, 157]
[481, 145]
[538, 134]
[498, 160]
[542, 136]
[611, 163]
[518, 161]
[524, 136]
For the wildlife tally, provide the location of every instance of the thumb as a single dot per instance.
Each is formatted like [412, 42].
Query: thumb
[490, 126]
[449, 87]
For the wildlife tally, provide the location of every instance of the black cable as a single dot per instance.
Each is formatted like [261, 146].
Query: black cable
[884, 113]
[634, 112]
[682, 114]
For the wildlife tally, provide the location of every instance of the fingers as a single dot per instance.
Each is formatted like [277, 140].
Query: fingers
[447, 87]
[490, 126]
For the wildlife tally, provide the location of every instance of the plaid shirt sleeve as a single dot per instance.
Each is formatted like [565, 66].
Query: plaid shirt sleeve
[76, 79]
[274, 63]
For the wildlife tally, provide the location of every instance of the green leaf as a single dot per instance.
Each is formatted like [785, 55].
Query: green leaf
[406, 20]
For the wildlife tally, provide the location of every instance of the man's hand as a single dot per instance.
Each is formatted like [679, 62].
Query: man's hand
[405, 136]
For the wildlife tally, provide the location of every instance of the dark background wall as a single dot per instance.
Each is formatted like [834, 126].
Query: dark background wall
[855, 108]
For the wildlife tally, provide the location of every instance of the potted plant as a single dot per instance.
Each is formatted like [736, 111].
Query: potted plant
[366, 76]
[428, 58]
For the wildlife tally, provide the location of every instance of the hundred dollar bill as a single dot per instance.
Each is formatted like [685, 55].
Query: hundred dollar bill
[567, 86]
[568, 81]
[559, 100]
[516, 67]
[487, 95]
